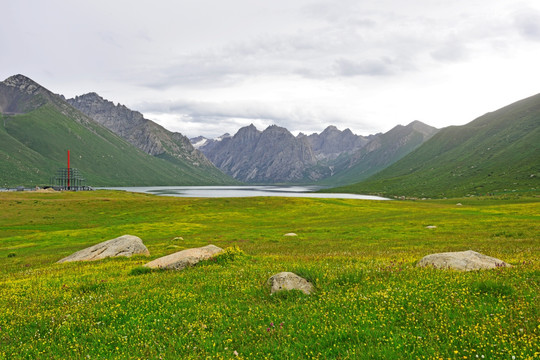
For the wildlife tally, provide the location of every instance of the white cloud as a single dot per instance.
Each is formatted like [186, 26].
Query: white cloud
[527, 22]
[210, 66]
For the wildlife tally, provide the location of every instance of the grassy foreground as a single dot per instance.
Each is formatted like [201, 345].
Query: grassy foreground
[371, 301]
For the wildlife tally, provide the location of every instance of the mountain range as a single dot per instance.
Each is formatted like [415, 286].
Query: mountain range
[270, 156]
[331, 157]
[38, 127]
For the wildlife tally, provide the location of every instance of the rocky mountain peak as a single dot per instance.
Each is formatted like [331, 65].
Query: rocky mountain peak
[273, 155]
[132, 126]
[332, 142]
[330, 129]
[91, 96]
[247, 129]
[198, 141]
[20, 94]
[274, 130]
[226, 135]
[422, 128]
[95, 99]
[23, 83]
[247, 133]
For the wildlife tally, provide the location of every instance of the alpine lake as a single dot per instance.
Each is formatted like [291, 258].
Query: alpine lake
[242, 191]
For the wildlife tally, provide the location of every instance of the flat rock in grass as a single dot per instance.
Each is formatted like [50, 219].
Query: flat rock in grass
[182, 259]
[289, 281]
[126, 245]
[290, 234]
[461, 260]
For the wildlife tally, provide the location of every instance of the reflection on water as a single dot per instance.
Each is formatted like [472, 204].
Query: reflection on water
[242, 191]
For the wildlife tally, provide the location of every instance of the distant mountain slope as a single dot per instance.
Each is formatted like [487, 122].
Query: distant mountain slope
[146, 135]
[37, 128]
[497, 152]
[380, 152]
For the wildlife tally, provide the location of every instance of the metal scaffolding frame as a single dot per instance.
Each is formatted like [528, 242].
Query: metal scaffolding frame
[69, 179]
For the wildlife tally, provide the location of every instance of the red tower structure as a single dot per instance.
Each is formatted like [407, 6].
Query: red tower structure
[68, 174]
[69, 178]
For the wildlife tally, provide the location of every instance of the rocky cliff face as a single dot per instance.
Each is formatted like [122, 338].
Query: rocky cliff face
[271, 156]
[132, 126]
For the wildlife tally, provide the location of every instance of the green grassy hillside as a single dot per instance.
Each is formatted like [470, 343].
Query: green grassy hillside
[371, 301]
[35, 144]
[498, 152]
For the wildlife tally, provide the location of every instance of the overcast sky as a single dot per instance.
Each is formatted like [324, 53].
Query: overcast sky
[206, 67]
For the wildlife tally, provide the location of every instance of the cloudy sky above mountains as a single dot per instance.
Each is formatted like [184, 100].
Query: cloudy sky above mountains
[205, 67]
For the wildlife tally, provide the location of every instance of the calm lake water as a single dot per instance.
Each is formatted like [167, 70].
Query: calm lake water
[242, 191]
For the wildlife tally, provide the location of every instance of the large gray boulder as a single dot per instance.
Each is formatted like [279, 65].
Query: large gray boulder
[461, 260]
[126, 245]
[184, 258]
[289, 281]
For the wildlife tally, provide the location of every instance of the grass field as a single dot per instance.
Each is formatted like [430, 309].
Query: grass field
[371, 301]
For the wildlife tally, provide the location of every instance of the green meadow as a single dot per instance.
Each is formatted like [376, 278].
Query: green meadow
[371, 302]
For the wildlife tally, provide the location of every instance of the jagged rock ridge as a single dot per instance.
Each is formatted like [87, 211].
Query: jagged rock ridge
[145, 134]
[275, 155]
[333, 142]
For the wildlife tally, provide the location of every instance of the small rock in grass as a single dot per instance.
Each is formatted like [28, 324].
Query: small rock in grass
[178, 238]
[459, 204]
[461, 260]
[126, 245]
[431, 227]
[182, 259]
[289, 281]
[290, 234]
